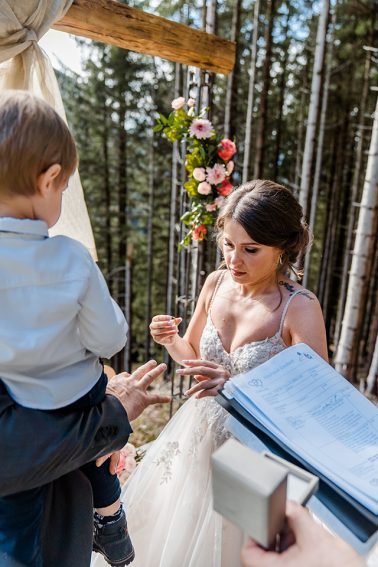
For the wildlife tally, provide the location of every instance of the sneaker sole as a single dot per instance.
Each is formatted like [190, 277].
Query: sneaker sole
[121, 563]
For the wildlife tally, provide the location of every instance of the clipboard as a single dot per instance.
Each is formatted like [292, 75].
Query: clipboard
[357, 518]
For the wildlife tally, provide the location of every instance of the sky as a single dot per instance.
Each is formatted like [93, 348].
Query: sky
[61, 46]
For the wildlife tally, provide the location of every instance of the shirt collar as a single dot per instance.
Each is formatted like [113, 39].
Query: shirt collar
[24, 226]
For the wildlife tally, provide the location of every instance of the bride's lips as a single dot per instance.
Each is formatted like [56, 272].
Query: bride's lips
[236, 273]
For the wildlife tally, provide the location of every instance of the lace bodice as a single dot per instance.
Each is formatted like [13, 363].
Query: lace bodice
[244, 357]
[247, 356]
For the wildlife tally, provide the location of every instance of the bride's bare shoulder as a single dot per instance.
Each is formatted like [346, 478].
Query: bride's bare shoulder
[210, 284]
[294, 287]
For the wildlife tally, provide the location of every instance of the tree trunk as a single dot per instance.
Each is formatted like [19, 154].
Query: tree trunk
[150, 265]
[354, 197]
[173, 209]
[282, 87]
[205, 79]
[260, 142]
[120, 279]
[319, 149]
[251, 92]
[313, 109]
[371, 379]
[127, 306]
[230, 114]
[329, 240]
[370, 327]
[170, 307]
[361, 260]
[107, 194]
[300, 134]
[323, 271]
[335, 228]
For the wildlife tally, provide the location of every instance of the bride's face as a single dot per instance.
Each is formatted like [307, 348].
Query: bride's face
[248, 261]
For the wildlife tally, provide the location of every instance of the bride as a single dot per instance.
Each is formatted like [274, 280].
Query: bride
[245, 314]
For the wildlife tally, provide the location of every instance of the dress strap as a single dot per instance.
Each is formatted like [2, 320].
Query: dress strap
[219, 281]
[286, 308]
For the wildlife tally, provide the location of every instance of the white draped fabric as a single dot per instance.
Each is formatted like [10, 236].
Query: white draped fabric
[24, 65]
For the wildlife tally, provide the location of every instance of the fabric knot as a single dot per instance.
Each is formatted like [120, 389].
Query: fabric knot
[30, 35]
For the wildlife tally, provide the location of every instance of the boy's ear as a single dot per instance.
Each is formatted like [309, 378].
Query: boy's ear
[45, 180]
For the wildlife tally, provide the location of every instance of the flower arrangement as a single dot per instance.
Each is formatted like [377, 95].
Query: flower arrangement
[127, 462]
[208, 163]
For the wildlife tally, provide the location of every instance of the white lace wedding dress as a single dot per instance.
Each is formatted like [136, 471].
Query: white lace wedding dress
[168, 499]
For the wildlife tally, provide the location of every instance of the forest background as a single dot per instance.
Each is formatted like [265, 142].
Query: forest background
[300, 107]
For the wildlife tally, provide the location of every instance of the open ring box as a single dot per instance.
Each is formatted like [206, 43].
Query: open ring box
[250, 489]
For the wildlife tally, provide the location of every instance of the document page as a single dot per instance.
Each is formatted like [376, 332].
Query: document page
[317, 413]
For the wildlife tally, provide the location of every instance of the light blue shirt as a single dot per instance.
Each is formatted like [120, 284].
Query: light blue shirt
[56, 316]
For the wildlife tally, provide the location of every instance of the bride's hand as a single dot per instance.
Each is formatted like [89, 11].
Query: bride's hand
[164, 329]
[210, 377]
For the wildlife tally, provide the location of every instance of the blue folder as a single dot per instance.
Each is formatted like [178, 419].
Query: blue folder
[357, 518]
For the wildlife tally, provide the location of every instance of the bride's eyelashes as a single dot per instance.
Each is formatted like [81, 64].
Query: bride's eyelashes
[249, 250]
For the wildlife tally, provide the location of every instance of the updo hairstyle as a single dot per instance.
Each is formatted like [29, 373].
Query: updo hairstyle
[270, 215]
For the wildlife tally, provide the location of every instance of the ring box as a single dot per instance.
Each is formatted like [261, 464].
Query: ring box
[250, 489]
[301, 484]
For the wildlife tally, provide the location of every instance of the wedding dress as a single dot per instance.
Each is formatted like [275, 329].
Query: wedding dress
[168, 499]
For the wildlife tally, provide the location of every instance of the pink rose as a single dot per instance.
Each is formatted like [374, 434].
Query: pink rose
[204, 188]
[199, 232]
[178, 103]
[225, 189]
[215, 174]
[191, 102]
[230, 167]
[210, 207]
[199, 174]
[227, 149]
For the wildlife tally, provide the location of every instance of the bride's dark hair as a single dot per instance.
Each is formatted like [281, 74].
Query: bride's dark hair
[270, 215]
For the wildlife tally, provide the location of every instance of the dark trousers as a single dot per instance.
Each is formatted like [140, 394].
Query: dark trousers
[105, 486]
[21, 514]
[21, 517]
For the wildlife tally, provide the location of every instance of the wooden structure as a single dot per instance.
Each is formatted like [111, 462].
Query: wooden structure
[111, 22]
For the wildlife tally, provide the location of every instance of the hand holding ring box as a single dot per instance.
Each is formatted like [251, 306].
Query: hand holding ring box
[250, 489]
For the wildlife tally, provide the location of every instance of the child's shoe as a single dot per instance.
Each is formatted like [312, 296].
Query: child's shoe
[112, 540]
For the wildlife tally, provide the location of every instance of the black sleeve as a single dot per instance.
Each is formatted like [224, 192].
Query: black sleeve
[37, 447]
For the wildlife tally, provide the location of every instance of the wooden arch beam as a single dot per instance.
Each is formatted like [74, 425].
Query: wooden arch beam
[111, 22]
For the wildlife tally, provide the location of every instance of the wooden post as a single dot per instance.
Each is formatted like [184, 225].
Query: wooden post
[111, 22]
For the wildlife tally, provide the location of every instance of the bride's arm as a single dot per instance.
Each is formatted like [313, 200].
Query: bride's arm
[164, 328]
[304, 323]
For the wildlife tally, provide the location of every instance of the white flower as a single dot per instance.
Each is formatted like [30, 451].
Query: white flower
[201, 128]
[230, 167]
[199, 174]
[216, 174]
[191, 102]
[204, 188]
[219, 201]
[178, 103]
[211, 207]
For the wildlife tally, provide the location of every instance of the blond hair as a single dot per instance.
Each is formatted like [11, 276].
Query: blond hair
[32, 138]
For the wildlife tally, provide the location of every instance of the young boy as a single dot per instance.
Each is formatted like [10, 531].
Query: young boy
[56, 316]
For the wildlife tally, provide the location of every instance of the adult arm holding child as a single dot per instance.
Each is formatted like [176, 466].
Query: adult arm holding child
[67, 440]
[48, 461]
